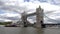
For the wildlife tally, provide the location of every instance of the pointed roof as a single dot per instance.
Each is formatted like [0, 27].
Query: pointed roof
[39, 6]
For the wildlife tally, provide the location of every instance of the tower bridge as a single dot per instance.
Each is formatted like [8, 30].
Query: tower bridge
[39, 17]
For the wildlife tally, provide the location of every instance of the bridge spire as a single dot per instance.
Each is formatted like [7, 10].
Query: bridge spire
[39, 6]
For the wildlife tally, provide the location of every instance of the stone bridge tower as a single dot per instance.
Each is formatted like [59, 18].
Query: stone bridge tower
[24, 18]
[39, 17]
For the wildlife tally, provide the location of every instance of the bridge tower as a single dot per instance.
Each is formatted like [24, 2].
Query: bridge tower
[24, 19]
[39, 17]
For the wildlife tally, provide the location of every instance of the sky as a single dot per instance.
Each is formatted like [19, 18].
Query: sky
[10, 10]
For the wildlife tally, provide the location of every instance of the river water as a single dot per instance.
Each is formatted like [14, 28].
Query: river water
[28, 30]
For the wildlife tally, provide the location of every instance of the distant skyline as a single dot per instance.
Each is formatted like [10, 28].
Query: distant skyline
[8, 9]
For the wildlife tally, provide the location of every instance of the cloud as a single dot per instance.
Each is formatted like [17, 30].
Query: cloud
[52, 17]
[4, 20]
[1, 3]
[32, 19]
[10, 16]
[19, 6]
[30, 5]
[56, 2]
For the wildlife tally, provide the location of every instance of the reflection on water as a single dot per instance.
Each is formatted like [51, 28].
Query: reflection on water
[28, 30]
[40, 31]
[19, 30]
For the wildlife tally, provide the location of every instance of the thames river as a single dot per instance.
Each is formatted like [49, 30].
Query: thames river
[28, 30]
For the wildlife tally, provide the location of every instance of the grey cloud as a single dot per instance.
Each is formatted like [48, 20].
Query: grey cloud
[55, 2]
[13, 8]
[51, 20]
[2, 21]
[10, 7]
[58, 19]
[1, 3]
[10, 18]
